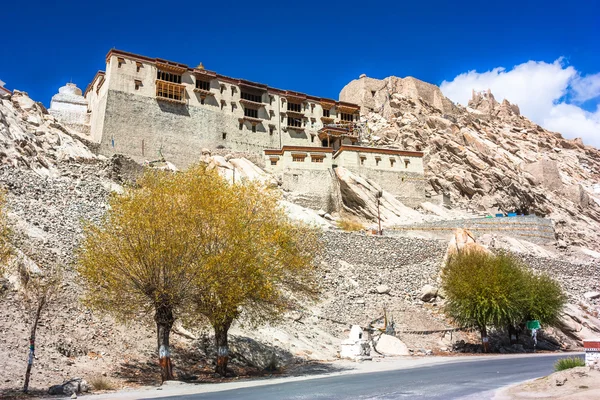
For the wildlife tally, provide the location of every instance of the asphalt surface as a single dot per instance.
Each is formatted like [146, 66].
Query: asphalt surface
[474, 380]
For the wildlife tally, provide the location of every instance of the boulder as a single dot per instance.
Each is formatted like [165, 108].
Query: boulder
[72, 386]
[383, 289]
[428, 293]
[591, 295]
[391, 346]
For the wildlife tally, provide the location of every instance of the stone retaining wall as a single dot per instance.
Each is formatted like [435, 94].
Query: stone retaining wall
[531, 228]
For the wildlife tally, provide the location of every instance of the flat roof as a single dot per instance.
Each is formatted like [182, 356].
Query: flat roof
[307, 149]
[235, 81]
[378, 150]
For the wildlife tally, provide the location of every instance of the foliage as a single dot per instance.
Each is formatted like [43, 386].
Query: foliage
[566, 363]
[144, 256]
[189, 244]
[257, 262]
[145, 252]
[349, 225]
[100, 382]
[484, 289]
[5, 234]
[544, 298]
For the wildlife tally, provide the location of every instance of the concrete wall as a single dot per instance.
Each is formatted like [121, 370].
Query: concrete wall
[405, 179]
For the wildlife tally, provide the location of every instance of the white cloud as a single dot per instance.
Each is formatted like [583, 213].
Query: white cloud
[548, 94]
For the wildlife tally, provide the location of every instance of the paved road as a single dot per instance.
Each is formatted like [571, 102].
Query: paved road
[474, 379]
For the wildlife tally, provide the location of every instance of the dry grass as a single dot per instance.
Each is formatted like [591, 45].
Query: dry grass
[350, 225]
[100, 382]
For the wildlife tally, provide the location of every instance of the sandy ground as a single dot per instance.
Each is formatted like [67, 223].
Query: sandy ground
[581, 383]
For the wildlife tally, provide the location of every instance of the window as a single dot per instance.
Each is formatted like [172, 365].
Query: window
[377, 160]
[271, 129]
[168, 90]
[346, 117]
[120, 61]
[250, 112]
[138, 83]
[372, 93]
[273, 161]
[392, 162]
[138, 66]
[362, 160]
[298, 157]
[203, 85]
[253, 128]
[326, 113]
[224, 135]
[167, 76]
[317, 159]
[294, 107]
[295, 122]
[406, 162]
[241, 126]
[257, 98]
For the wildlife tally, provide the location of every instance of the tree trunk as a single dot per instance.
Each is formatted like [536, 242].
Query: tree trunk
[484, 339]
[164, 322]
[222, 347]
[512, 334]
[38, 312]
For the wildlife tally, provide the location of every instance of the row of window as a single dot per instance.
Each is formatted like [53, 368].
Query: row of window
[302, 157]
[378, 161]
[252, 97]
[205, 85]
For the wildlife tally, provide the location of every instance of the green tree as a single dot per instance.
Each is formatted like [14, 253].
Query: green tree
[257, 265]
[144, 257]
[544, 298]
[484, 290]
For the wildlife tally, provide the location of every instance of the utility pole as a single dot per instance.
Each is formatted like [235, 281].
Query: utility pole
[379, 195]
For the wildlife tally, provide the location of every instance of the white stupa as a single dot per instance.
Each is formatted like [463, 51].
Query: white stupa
[71, 108]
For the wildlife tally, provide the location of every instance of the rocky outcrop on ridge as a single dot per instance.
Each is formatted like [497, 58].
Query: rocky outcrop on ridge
[486, 157]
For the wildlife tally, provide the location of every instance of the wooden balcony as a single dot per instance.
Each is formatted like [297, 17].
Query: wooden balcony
[251, 104]
[297, 114]
[169, 91]
[203, 93]
[327, 120]
[252, 120]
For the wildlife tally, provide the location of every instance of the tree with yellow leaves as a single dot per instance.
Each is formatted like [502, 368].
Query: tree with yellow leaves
[145, 256]
[258, 263]
[192, 244]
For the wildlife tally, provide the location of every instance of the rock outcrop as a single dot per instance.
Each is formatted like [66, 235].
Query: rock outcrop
[487, 157]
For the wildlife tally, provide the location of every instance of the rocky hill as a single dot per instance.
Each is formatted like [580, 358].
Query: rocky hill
[486, 157]
[55, 183]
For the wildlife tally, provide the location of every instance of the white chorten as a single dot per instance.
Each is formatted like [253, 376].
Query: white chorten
[71, 108]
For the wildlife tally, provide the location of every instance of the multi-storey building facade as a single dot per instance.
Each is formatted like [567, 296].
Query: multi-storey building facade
[141, 106]
[149, 108]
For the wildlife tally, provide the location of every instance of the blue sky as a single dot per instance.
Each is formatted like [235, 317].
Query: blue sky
[314, 48]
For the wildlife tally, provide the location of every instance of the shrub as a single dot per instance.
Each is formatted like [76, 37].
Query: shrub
[566, 363]
[99, 382]
[350, 225]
